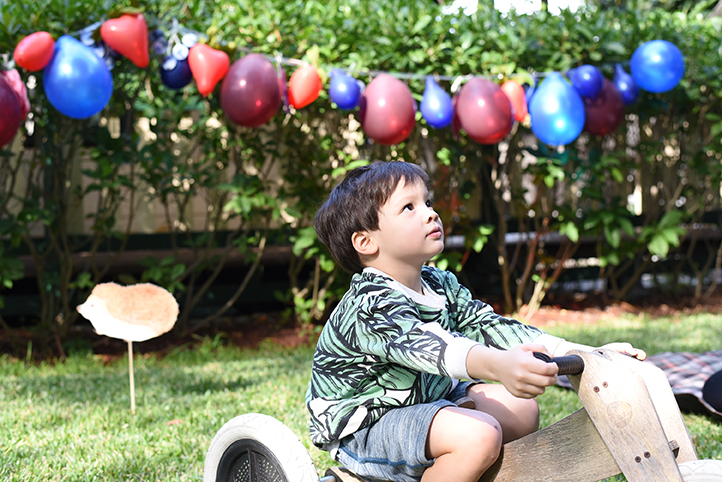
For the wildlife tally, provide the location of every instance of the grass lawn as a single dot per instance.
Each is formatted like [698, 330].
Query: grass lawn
[71, 421]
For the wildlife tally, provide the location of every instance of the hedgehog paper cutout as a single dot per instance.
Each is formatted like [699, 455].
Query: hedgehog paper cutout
[132, 313]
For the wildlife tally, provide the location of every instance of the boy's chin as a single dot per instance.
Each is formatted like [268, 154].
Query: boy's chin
[433, 258]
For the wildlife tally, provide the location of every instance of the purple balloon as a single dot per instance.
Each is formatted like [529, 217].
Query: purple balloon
[10, 112]
[250, 95]
[605, 112]
[483, 110]
[625, 84]
[436, 105]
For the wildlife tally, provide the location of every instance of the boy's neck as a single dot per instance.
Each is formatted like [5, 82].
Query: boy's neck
[407, 276]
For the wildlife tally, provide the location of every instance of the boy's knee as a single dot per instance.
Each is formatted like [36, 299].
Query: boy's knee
[483, 437]
[530, 416]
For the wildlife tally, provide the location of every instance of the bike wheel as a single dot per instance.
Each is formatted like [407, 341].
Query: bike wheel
[701, 471]
[257, 448]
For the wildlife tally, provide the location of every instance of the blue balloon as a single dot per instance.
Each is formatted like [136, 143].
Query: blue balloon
[436, 105]
[557, 111]
[344, 90]
[175, 73]
[657, 66]
[587, 79]
[625, 84]
[76, 81]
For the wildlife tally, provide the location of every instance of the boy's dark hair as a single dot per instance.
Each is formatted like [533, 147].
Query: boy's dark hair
[354, 205]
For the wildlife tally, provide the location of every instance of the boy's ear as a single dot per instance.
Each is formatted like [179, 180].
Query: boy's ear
[363, 243]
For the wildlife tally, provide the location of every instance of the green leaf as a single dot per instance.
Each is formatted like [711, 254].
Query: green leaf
[615, 47]
[421, 24]
[571, 231]
[613, 236]
[659, 246]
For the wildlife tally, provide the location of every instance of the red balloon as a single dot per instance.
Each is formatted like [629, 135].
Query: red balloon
[10, 117]
[605, 112]
[515, 92]
[387, 111]
[304, 86]
[128, 35]
[208, 67]
[483, 111]
[34, 51]
[250, 95]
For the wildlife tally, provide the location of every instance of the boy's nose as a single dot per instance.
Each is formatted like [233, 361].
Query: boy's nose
[433, 215]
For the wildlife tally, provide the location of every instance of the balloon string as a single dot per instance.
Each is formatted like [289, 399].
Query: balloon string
[89, 28]
[456, 80]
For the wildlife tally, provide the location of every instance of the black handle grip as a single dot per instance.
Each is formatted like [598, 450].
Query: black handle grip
[568, 365]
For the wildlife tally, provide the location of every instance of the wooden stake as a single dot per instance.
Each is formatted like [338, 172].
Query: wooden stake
[132, 384]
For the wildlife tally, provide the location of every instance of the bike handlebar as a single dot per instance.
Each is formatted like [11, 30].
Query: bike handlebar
[568, 365]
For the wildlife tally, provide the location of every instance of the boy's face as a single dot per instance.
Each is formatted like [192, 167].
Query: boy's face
[410, 232]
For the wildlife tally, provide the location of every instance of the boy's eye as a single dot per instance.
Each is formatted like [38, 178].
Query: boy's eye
[429, 203]
[409, 206]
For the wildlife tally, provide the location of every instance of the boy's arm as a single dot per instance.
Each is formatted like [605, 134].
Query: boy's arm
[559, 346]
[477, 320]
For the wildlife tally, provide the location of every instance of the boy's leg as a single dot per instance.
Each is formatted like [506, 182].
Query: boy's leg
[464, 443]
[516, 416]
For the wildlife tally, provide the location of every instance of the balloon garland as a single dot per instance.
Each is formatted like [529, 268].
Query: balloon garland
[252, 89]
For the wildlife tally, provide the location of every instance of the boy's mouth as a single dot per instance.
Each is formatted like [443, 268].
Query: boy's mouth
[434, 233]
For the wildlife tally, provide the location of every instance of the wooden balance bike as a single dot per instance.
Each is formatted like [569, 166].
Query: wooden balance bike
[630, 424]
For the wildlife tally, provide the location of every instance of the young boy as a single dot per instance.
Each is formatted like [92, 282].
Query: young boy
[385, 396]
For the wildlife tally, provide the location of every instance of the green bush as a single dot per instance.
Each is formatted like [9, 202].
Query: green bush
[153, 144]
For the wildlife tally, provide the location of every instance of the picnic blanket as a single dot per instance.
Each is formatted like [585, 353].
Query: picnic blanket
[687, 373]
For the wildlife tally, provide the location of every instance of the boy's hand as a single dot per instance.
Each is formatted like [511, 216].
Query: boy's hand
[524, 375]
[627, 349]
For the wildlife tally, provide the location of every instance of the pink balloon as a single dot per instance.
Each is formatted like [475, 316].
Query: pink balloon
[10, 117]
[515, 92]
[387, 111]
[304, 86]
[250, 95]
[605, 112]
[483, 111]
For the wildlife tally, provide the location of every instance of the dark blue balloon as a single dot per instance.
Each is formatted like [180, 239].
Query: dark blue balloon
[175, 73]
[436, 105]
[587, 79]
[625, 84]
[76, 81]
[529, 90]
[557, 111]
[657, 66]
[344, 90]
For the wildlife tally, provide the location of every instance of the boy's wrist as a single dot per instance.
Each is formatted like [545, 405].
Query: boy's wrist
[482, 361]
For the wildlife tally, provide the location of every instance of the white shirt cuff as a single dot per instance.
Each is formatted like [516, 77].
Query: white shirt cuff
[455, 358]
[559, 346]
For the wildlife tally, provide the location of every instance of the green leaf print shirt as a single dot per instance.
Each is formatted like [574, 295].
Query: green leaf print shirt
[386, 346]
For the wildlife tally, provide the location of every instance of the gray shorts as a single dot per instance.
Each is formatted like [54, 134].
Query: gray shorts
[394, 448]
